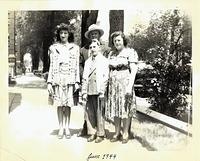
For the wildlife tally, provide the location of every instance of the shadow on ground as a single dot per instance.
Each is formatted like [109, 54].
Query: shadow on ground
[72, 131]
[145, 143]
[14, 101]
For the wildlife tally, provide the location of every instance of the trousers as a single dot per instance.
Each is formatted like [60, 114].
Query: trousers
[94, 116]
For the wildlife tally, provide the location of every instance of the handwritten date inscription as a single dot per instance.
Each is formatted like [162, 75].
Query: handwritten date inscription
[103, 156]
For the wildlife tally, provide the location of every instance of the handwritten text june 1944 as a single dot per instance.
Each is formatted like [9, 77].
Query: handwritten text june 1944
[103, 156]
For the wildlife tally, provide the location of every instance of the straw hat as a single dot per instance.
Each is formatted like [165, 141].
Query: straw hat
[94, 27]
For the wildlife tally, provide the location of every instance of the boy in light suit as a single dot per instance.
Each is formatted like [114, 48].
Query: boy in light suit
[94, 83]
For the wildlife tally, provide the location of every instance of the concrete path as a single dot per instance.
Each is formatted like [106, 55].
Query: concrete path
[30, 132]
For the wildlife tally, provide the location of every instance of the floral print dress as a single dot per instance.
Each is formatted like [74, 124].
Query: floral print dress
[119, 78]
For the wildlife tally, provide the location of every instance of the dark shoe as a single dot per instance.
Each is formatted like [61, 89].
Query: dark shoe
[115, 138]
[132, 135]
[99, 139]
[81, 133]
[91, 138]
[124, 141]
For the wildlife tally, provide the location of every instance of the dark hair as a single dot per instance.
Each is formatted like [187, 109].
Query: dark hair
[119, 33]
[94, 40]
[65, 27]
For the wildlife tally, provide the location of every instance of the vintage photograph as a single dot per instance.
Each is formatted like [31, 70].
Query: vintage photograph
[94, 85]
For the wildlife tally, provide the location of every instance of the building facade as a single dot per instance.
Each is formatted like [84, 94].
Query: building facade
[13, 46]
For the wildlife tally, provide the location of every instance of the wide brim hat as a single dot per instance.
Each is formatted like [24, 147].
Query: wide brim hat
[94, 27]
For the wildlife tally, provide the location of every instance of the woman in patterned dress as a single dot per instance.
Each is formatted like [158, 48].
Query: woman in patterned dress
[63, 78]
[121, 98]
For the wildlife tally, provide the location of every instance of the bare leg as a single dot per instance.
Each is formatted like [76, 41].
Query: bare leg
[67, 114]
[117, 122]
[60, 120]
[130, 133]
[126, 127]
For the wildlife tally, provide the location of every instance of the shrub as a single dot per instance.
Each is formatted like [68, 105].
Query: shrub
[168, 86]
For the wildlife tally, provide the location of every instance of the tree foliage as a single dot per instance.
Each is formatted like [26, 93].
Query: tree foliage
[168, 32]
[166, 44]
[36, 29]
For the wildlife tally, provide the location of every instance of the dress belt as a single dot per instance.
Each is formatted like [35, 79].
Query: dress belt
[119, 68]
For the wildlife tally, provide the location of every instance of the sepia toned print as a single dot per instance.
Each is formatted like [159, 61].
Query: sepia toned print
[156, 98]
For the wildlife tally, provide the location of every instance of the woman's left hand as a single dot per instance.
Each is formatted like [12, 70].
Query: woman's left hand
[128, 93]
[101, 96]
[128, 97]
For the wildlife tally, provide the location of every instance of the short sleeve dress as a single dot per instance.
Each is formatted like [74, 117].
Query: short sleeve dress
[119, 78]
[64, 72]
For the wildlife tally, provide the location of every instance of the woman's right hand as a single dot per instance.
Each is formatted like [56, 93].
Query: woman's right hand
[50, 88]
[84, 97]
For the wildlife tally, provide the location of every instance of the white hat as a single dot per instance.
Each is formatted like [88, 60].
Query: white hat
[94, 27]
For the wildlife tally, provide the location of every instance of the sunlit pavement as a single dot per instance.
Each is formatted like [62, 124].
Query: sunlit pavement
[30, 132]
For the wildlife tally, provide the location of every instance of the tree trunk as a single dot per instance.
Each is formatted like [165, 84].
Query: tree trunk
[116, 19]
[88, 18]
[47, 41]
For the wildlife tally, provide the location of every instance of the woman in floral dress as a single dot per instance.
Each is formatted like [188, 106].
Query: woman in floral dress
[121, 96]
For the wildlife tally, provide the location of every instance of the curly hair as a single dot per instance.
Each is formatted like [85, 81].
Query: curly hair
[65, 27]
[119, 33]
